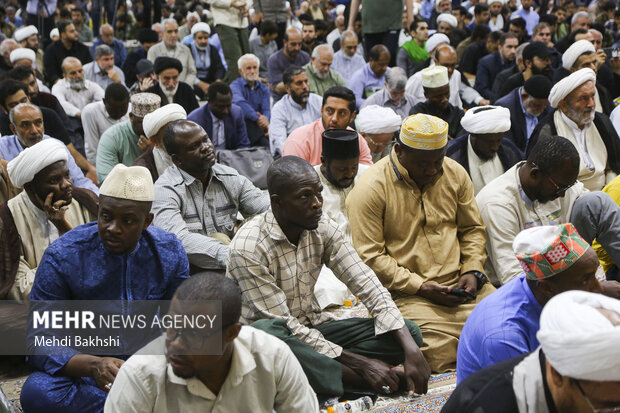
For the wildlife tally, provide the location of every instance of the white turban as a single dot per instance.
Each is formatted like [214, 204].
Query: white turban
[201, 27]
[192, 13]
[447, 18]
[23, 53]
[340, 9]
[568, 84]
[32, 160]
[54, 33]
[376, 119]
[435, 40]
[154, 121]
[577, 339]
[571, 54]
[24, 33]
[495, 1]
[486, 119]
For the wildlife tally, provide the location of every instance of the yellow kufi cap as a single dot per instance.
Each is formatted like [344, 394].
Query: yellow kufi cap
[424, 132]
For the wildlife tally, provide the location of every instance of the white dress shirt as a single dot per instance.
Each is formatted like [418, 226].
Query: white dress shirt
[73, 101]
[95, 121]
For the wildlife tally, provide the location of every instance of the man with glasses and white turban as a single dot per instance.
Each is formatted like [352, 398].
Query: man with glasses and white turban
[377, 125]
[576, 369]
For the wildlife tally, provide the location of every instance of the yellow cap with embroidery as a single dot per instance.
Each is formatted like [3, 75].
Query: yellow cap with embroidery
[424, 132]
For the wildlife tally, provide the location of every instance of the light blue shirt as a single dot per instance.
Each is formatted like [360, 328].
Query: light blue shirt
[426, 8]
[530, 121]
[93, 72]
[214, 41]
[287, 115]
[10, 147]
[365, 83]
[345, 65]
[531, 18]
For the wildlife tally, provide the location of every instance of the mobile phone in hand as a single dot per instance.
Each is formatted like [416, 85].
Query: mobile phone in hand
[459, 292]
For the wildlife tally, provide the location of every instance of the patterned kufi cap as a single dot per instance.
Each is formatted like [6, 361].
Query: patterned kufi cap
[424, 132]
[129, 182]
[144, 103]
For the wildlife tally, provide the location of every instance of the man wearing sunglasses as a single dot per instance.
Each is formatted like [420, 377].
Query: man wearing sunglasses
[544, 191]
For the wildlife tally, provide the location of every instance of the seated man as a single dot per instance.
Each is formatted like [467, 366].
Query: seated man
[171, 48]
[169, 87]
[575, 369]
[121, 257]
[155, 158]
[74, 91]
[393, 95]
[221, 119]
[346, 60]
[198, 199]
[339, 171]
[536, 61]
[264, 45]
[483, 152]
[278, 293]
[164, 383]
[290, 55]
[591, 132]
[543, 190]
[48, 207]
[441, 247]
[67, 45]
[28, 128]
[125, 141]
[320, 76]
[297, 108]
[528, 105]
[97, 117]
[337, 112]
[377, 125]
[437, 92]
[371, 77]
[504, 325]
[103, 71]
[106, 37]
[252, 96]
[209, 67]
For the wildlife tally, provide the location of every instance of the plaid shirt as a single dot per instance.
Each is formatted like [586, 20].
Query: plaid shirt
[277, 278]
[191, 212]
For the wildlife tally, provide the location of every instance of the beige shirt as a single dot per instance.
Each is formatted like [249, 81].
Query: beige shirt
[482, 172]
[506, 211]
[264, 376]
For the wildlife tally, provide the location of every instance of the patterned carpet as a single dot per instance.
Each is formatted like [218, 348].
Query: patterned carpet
[11, 389]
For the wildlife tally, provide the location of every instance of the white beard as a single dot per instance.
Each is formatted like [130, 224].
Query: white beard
[169, 93]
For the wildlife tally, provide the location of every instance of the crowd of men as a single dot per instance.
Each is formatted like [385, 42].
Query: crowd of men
[453, 166]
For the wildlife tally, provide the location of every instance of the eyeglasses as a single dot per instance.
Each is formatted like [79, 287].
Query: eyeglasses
[558, 189]
[377, 144]
[193, 339]
[594, 409]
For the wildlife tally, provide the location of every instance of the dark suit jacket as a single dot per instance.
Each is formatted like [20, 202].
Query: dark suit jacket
[129, 68]
[546, 127]
[235, 134]
[52, 123]
[518, 131]
[185, 96]
[500, 79]
[147, 160]
[508, 153]
[55, 53]
[488, 67]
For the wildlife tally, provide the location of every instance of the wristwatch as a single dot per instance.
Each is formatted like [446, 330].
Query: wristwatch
[482, 279]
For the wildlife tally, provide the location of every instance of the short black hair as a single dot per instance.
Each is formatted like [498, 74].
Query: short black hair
[462, 10]
[268, 27]
[290, 72]
[518, 22]
[480, 7]
[9, 87]
[284, 173]
[496, 36]
[550, 19]
[341, 92]
[116, 92]
[65, 14]
[551, 152]
[415, 23]
[20, 73]
[480, 32]
[572, 35]
[81, 11]
[211, 286]
[168, 136]
[62, 25]
[506, 36]
[217, 88]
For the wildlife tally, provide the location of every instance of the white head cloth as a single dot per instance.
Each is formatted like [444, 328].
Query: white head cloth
[495, 1]
[486, 119]
[340, 9]
[32, 160]
[129, 182]
[23, 53]
[568, 84]
[435, 40]
[577, 339]
[201, 27]
[155, 120]
[375, 119]
[54, 32]
[576, 49]
[24, 33]
[192, 13]
[435, 76]
[447, 18]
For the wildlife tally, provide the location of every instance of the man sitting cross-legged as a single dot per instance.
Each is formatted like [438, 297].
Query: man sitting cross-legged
[276, 259]
[254, 372]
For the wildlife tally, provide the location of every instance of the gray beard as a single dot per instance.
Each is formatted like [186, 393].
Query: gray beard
[580, 117]
[318, 74]
[77, 84]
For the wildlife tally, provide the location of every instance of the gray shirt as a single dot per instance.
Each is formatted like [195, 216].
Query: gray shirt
[382, 98]
[93, 72]
[263, 52]
[182, 206]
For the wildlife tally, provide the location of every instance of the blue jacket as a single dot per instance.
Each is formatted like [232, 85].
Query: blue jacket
[508, 153]
[120, 53]
[517, 132]
[235, 133]
[251, 100]
[488, 67]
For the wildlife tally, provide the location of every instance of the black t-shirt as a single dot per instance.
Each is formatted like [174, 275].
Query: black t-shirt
[52, 124]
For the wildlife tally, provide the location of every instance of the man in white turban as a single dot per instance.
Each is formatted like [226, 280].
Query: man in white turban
[377, 125]
[483, 151]
[48, 207]
[156, 159]
[496, 20]
[22, 57]
[28, 36]
[576, 369]
[591, 132]
[446, 22]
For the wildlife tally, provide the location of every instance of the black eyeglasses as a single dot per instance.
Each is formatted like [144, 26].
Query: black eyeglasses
[558, 189]
[594, 409]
